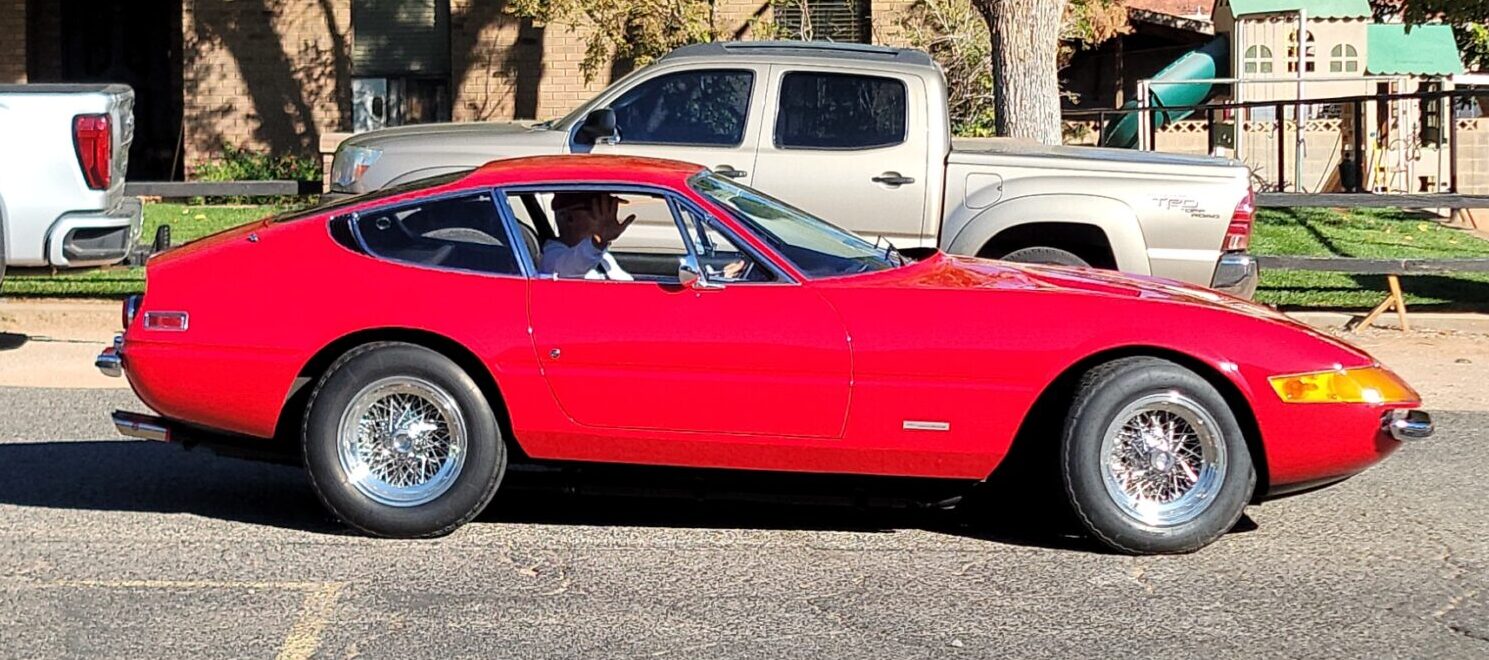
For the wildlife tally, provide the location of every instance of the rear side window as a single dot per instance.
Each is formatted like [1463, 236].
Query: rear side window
[705, 108]
[460, 233]
[840, 111]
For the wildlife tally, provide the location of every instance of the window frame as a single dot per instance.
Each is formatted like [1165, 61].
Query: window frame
[744, 127]
[518, 247]
[1259, 56]
[1344, 56]
[675, 202]
[775, 129]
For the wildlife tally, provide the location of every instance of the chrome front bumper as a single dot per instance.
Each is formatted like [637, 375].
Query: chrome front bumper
[111, 361]
[1408, 425]
[1237, 274]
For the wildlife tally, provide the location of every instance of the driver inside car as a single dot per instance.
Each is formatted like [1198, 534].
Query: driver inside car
[588, 222]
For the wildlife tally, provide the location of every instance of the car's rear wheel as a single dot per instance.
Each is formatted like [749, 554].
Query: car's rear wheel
[1153, 459]
[1040, 254]
[400, 442]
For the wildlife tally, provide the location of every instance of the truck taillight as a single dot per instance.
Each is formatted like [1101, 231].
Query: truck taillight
[92, 136]
[1238, 233]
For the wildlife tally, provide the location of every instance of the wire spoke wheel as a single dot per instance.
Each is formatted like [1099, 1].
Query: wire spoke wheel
[402, 441]
[1163, 459]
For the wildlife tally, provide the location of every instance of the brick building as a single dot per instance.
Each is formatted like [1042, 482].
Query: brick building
[275, 75]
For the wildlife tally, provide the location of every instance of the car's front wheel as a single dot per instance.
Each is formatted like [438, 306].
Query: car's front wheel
[400, 442]
[1153, 459]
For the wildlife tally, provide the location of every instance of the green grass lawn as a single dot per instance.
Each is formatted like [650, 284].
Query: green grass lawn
[1365, 233]
[187, 223]
[1370, 233]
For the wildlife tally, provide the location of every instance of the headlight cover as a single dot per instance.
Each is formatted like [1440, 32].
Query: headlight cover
[1374, 384]
[350, 163]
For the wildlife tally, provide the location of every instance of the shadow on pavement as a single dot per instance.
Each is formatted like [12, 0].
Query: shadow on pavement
[149, 477]
[10, 341]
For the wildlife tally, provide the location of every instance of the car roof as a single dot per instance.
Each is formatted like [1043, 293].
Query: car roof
[583, 168]
[827, 50]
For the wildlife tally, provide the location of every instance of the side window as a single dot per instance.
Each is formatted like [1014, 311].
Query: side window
[705, 108]
[840, 111]
[461, 233]
[719, 256]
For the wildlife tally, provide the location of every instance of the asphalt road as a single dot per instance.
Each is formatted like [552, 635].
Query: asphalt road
[111, 547]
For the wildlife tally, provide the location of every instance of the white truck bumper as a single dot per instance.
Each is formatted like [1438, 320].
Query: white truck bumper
[95, 238]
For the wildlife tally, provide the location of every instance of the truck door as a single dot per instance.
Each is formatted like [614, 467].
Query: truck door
[851, 148]
[699, 116]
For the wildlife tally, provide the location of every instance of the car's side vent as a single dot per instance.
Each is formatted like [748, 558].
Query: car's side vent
[341, 232]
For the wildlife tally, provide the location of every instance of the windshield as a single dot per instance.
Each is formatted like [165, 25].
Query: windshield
[816, 247]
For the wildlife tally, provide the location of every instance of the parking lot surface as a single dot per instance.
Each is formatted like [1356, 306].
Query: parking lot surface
[115, 547]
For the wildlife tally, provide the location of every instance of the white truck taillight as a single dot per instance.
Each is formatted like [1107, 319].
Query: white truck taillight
[1238, 233]
[93, 138]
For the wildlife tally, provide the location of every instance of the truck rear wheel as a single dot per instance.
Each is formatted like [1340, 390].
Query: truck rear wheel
[1040, 254]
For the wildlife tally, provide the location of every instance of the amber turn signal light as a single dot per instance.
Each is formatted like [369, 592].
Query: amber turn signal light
[1359, 385]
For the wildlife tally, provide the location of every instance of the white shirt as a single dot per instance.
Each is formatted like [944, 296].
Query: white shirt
[583, 260]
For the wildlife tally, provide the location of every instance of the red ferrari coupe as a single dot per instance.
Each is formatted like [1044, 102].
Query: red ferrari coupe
[406, 344]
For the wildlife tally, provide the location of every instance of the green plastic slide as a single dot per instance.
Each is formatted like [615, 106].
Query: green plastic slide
[1198, 64]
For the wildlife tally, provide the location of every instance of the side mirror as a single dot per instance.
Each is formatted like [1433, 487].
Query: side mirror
[598, 128]
[692, 277]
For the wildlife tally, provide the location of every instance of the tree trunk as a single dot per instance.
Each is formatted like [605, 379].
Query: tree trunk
[1026, 85]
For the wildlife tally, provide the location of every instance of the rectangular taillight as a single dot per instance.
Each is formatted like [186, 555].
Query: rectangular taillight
[93, 138]
[1238, 233]
[172, 321]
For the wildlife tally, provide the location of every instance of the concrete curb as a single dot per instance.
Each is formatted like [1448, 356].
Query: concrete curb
[1463, 322]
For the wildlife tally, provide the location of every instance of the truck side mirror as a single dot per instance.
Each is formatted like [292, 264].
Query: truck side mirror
[598, 128]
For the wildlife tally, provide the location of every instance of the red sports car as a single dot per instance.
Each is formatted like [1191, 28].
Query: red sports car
[407, 344]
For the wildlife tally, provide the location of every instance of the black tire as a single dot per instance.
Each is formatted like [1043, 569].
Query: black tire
[1040, 254]
[1102, 395]
[485, 458]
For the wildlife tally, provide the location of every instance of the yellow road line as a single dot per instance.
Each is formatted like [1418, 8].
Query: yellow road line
[304, 636]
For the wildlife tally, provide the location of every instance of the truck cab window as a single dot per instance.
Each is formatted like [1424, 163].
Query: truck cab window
[689, 107]
[840, 111]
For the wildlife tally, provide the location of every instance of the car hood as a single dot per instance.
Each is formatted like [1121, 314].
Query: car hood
[945, 271]
[453, 132]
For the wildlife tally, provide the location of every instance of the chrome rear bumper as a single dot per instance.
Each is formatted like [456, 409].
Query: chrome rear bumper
[1237, 274]
[1408, 425]
[111, 361]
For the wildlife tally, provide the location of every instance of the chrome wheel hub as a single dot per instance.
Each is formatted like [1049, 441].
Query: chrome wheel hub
[1163, 459]
[402, 441]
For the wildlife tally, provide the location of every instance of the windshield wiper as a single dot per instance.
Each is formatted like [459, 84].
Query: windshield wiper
[892, 253]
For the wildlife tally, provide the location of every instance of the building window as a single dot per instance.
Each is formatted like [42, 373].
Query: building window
[1309, 55]
[1431, 112]
[1344, 59]
[824, 20]
[1258, 59]
[400, 62]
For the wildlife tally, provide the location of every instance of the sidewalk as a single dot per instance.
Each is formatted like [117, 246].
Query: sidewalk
[52, 343]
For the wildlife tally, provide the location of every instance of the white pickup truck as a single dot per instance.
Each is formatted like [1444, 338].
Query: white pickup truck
[62, 201]
[859, 135]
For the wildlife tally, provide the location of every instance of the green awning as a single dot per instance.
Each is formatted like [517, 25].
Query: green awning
[1420, 50]
[1315, 8]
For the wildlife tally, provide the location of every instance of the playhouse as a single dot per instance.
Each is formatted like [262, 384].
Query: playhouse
[1267, 51]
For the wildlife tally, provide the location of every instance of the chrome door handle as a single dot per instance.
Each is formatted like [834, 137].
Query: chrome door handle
[893, 179]
[553, 354]
[729, 171]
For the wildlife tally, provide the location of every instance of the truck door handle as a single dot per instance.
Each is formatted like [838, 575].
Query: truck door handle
[729, 171]
[893, 179]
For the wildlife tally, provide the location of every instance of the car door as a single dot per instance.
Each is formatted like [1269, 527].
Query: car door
[851, 148]
[705, 116]
[763, 356]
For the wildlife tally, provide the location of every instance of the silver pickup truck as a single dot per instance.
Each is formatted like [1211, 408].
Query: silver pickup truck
[860, 135]
[66, 148]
